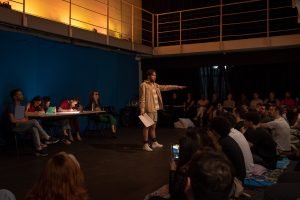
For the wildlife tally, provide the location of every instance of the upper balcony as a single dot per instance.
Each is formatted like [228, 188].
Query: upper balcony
[221, 26]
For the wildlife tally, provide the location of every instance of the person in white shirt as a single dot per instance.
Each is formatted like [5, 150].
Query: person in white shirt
[280, 129]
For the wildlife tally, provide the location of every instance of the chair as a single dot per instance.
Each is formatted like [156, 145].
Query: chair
[95, 125]
[19, 139]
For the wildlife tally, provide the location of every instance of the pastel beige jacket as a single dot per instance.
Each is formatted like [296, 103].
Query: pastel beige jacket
[146, 99]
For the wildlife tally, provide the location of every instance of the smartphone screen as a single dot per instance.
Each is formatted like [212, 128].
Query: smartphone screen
[175, 151]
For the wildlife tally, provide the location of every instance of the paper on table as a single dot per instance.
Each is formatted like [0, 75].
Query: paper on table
[147, 121]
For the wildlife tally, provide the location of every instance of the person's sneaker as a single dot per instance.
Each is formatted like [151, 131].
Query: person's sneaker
[41, 153]
[156, 145]
[146, 147]
[52, 140]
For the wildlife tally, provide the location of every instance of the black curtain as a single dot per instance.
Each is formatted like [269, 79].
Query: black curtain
[213, 79]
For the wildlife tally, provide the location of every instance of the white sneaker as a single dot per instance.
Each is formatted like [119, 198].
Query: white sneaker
[156, 145]
[146, 147]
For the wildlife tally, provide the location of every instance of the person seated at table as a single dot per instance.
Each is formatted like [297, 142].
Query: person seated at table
[54, 123]
[21, 124]
[35, 105]
[95, 104]
[46, 102]
[70, 105]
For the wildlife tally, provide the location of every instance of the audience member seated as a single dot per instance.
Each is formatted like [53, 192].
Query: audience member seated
[221, 128]
[210, 176]
[239, 114]
[280, 129]
[289, 103]
[61, 179]
[272, 100]
[296, 124]
[213, 106]
[202, 106]
[256, 100]
[21, 124]
[6, 195]
[262, 145]
[240, 139]
[264, 114]
[219, 110]
[95, 105]
[189, 106]
[70, 124]
[229, 103]
[243, 100]
[288, 100]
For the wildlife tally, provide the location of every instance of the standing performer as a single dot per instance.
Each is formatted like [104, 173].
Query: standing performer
[150, 102]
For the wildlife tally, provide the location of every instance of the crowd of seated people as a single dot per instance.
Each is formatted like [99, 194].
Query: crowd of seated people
[252, 151]
[213, 177]
[252, 134]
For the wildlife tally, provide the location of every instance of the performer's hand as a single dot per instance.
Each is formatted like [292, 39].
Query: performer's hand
[142, 112]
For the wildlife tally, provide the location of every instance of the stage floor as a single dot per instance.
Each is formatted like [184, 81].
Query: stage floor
[113, 169]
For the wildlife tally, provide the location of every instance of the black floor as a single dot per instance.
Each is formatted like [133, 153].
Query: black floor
[113, 169]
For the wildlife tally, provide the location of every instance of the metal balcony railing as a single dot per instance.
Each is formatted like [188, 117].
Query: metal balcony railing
[227, 20]
[119, 20]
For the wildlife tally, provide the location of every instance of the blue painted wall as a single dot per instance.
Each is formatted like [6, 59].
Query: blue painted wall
[61, 70]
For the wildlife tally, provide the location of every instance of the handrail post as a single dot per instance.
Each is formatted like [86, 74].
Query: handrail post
[132, 27]
[107, 22]
[268, 18]
[221, 21]
[157, 40]
[70, 19]
[24, 19]
[180, 26]
[152, 30]
[121, 12]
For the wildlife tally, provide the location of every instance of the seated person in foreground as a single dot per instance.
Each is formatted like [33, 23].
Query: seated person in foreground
[261, 141]
[60, 179]
[70, 124]
[95, 105]
[209, 176]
